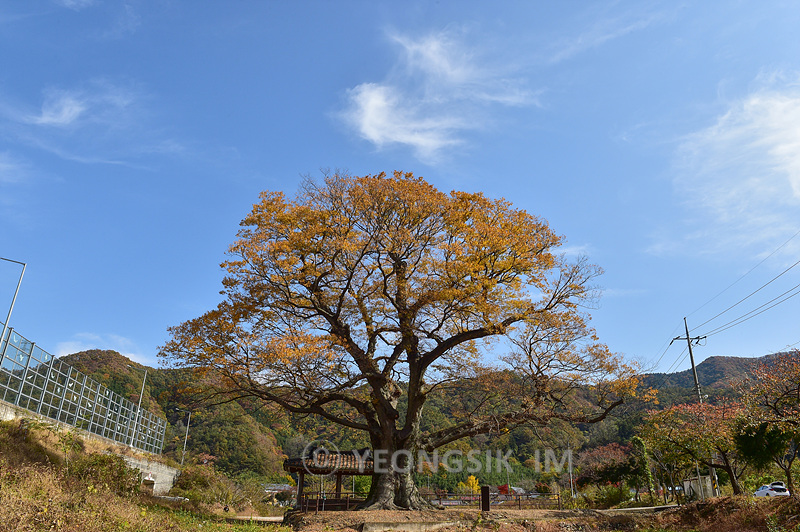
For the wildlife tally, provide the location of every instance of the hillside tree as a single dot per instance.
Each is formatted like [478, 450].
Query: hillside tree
[771, 428]
[361, 291]
[703, 432]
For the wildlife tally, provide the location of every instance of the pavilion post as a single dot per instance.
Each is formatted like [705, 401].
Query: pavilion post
[301, 480]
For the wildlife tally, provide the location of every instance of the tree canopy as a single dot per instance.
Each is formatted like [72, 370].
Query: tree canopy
[704, 432]
[364, 296]
[771, 429]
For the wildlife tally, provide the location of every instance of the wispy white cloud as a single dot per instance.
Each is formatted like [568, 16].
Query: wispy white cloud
[12, 170]
[601, 32]
[61, 109]
[438, 89]
[75, 5]
[86, 341]
[382, 116]
[622, 292]
[15, 173]
[126, 23]
[576, 251]
[740, 177]
[96, 122]
[99, 102]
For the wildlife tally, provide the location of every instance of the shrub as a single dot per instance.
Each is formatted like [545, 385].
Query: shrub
[203, 484]
[107, 470]
[19, 444]
[610, 495]
[195, 483]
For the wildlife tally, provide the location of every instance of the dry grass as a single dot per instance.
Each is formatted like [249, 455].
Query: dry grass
[37, 497]
[39, 492]
[734, 514]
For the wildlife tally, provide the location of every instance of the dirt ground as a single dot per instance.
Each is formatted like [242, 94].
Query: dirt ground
[725, 514]
[502, 521]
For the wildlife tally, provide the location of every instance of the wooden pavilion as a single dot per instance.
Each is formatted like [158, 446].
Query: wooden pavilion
[341, 464]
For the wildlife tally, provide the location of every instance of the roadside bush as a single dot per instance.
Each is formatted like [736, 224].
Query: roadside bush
[108, 471]
[572, 503]
[609, 496]
[20, 446]
[751, 483]
[196, 483]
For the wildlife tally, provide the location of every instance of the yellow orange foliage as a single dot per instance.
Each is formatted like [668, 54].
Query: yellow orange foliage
[362, 290]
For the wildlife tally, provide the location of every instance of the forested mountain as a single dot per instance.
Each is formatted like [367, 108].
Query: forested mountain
[716, 372]
[229, 432]
[247, 437]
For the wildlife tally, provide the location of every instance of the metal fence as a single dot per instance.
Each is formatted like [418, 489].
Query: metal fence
[527, 501]
[328, 501]
[35, 380]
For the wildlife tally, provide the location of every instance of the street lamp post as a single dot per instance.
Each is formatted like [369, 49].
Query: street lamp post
[8, 318]
[186, 437]
[139, 409]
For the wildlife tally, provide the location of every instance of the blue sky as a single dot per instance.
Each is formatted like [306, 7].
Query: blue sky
[662, 139]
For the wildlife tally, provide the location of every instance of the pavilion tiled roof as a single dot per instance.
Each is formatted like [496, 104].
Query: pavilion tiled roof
[347, 463]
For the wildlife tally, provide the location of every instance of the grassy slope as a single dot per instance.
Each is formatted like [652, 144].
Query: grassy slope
[42, 487]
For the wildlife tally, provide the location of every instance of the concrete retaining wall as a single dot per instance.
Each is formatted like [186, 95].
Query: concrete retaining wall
[163, 476]
[7, 411]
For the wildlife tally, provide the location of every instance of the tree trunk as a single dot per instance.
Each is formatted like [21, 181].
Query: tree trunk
[394, 490]
[393, 486]
[789, 479]
[786, 463]
[728, 468]
[395, 448]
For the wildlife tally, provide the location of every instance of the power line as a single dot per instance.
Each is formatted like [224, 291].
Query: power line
[750, 294]
[742, 277]
[666, 346]
[752, 314]
[784, 348]
[741, 319]
[678, 361]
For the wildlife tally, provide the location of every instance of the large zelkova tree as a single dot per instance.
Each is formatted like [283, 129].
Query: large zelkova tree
[362, 297]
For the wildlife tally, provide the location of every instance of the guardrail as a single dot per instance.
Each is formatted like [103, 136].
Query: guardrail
[35, 380]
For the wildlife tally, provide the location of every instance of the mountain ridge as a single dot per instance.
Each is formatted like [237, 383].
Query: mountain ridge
[245, 437]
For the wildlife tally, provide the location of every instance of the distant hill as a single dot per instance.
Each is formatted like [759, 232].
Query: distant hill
[228, 432]
[717, 372]
[714, 373]
[247, 438]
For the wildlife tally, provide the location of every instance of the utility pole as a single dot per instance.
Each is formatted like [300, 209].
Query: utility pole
[186, 438]
[138, 411]
[689, 341]
[11, 309]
